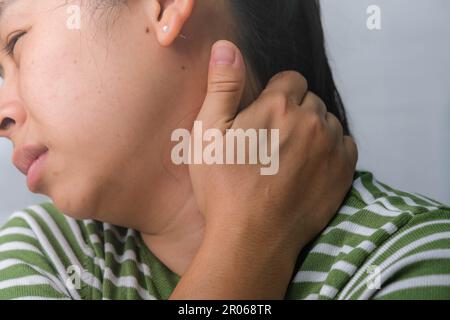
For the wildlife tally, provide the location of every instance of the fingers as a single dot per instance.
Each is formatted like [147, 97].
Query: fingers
[335, 126]
[312, 103]
[226, 82]
[290, 84]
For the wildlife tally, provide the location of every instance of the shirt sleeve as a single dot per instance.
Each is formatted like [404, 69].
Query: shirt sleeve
[415, 263]
[31, 265]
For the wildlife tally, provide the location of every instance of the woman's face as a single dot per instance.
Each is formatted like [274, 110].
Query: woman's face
[104, 98]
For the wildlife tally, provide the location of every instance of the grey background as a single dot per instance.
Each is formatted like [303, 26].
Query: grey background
[395, 83]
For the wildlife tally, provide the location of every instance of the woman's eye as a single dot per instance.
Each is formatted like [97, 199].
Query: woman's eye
[11, 44]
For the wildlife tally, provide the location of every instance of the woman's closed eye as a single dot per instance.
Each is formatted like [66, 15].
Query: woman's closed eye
[11, 43]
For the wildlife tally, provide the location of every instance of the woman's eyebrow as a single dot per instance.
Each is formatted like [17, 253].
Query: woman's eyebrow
[4, 5]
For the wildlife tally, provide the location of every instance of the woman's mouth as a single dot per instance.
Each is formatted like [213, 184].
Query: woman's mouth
[34, 172]
[30, 160]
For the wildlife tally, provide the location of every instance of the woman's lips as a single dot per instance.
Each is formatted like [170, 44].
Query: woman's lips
[29, 160]
[24, 157]
[34, 172]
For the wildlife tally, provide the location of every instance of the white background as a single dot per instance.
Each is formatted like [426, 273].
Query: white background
[395, 83]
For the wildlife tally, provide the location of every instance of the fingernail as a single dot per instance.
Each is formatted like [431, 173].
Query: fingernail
[223, 54]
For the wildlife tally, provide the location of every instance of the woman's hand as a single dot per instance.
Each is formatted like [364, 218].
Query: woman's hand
[256, 224]
[316, 162]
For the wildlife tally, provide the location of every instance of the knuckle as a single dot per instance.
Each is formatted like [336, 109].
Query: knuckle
[277, 102]
[352, 149]
[316, 100]
[320, 105]
[289, 75]
[313, 122]
[278, 77]
[336, 123]
[297, 76]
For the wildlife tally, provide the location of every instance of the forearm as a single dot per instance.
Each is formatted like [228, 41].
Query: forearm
[234, 265]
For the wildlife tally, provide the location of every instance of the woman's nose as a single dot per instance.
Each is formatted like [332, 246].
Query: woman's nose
[12, 113]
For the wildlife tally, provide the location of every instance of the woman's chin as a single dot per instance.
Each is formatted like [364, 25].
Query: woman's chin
[74, 207]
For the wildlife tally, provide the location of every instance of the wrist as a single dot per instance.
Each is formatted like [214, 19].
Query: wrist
[264, 238]
[249, 244]
[233, 262]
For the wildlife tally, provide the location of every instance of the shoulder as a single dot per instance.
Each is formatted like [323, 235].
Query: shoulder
[413, 262]
[54, 232]
[380, 237]
[43, 251]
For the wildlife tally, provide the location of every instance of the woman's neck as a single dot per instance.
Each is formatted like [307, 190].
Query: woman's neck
[178, 242]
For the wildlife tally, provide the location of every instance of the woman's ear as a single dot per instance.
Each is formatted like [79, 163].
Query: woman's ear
[169, 17]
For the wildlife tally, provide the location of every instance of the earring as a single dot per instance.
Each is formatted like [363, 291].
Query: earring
[166, 29]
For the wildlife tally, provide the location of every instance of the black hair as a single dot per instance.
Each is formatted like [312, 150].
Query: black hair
[280, 35]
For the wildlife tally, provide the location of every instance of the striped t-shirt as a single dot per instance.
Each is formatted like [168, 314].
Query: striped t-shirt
[382, 244]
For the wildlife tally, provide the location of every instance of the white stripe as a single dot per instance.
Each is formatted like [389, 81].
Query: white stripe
[345, 291]
[348, 211]
[86, 249]
[116, 233]
[128, 282]
[345, 267]
[407, 200]
[368, 198]
[352, 228]
[312, 296]
[310, 276]
[14, 262]
[28, 281]
[93, 225]
[386, 272]
[45, 243]
[17, 230]
[331, 250]
[437, 280]
[87, 276]
[380, 210]
[389, 227]
[334, 251]
[328, 291]
[19, 245]
[128, 255]
[94, 238]
[56, 232]
[367, 246]
[28, 298]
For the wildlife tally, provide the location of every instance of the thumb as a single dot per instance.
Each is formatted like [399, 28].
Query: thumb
[226, 82]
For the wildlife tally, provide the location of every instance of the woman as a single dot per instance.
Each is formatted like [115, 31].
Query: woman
[135, 222]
